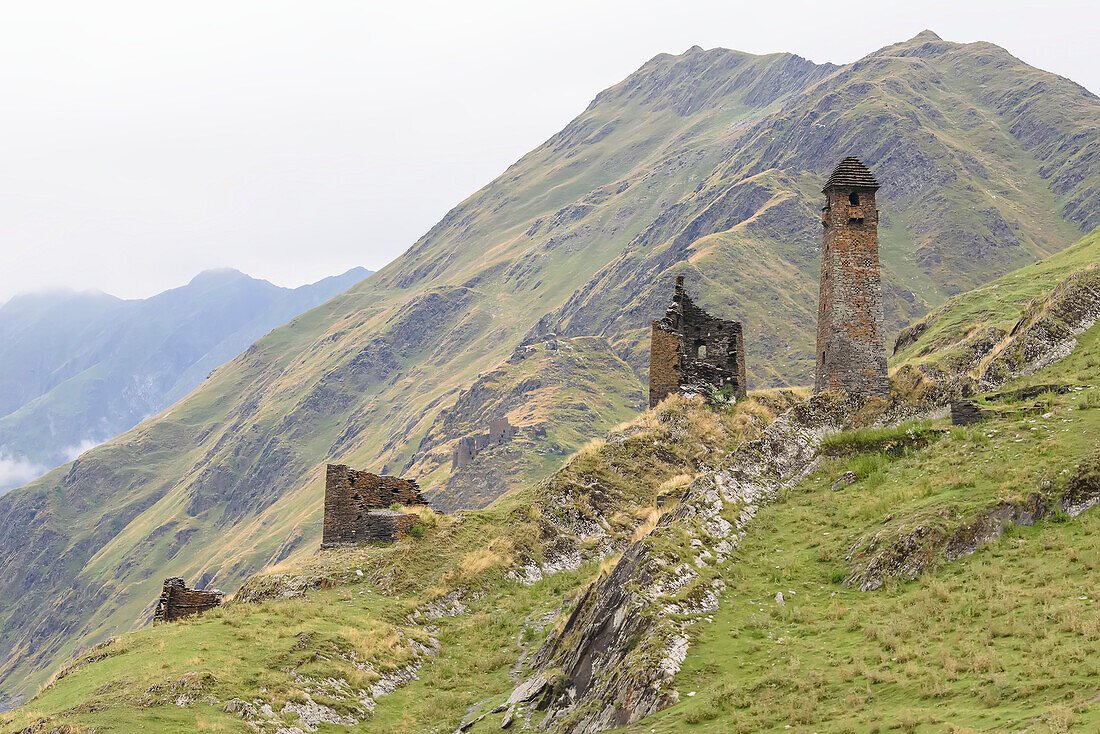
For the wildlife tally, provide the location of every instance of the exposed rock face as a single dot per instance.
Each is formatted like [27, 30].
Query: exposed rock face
[623, 643]
[851, 347]
[354, 502]
[700, 164]
[1048, 330]
[177, 601]
[987, 358]
[692, 352]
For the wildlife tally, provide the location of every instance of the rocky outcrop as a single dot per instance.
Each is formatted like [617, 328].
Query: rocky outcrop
[988, 357]
[965, 412]
[614, 660]
[363, 373]
[1048, 330]
[908, 553]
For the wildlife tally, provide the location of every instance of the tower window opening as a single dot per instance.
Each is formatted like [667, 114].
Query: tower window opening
[853, 199]
[700, 350]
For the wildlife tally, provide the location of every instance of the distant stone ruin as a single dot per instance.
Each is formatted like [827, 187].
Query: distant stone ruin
[693, 352]
[177, 601]
[468, 447]
[357, 507]
[851, 353]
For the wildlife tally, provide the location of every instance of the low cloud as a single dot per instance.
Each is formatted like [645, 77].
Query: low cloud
[15, 472]
[77, 449]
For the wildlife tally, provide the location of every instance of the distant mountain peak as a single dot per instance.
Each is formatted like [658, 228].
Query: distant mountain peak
[219, 275]
[926, 35]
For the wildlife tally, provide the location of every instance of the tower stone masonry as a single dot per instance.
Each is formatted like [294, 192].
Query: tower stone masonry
[356, 507]
[851, 351]
[692, 352]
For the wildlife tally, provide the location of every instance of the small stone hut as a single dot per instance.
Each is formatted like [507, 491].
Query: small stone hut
[177, 601]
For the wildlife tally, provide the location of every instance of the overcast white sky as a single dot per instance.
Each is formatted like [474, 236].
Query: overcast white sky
[142, 142]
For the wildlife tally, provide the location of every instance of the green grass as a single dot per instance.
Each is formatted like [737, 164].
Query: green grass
[1002, 640]
[363, 378]
[997, 640]
[999, 303]
[887, 440]
[278, 650]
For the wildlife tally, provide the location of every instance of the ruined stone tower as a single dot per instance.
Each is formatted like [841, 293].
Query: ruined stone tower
[692, 351]
[356, 505]
[851, 353]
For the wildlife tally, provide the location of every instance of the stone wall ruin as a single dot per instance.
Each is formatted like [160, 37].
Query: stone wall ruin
[468, 447]
[357, 507]
[692, 352]
[177, 601]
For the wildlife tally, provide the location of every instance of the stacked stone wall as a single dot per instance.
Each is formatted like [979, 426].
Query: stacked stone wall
[387, 525]
[468, 447]
[692, 351]
[664, 364]
[357, 502]
[177, 601]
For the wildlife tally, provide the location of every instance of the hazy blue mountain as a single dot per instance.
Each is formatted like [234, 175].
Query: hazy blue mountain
[79, 368]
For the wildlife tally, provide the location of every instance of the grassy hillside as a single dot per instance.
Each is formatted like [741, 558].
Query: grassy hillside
[359, 629]
[556, 392]
[981, 615]
[708, 163]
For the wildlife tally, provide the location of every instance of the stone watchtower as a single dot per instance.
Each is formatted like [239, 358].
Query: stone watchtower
[851, 353]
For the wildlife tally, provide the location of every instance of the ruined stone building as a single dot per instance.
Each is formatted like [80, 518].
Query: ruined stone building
[851, 352]
[468, 447]
[177, 601]
[692, 351]
[357, 506]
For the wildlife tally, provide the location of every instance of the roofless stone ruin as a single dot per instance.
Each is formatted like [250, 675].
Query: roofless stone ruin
[177, 601]
[692, 352]
[468, 447]
[357, 507]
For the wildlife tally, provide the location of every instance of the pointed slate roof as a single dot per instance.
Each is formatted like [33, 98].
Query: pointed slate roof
[851, 173]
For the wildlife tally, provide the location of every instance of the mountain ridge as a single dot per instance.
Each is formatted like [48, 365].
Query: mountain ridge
[82, 366]
[787, 561]
[706, 164]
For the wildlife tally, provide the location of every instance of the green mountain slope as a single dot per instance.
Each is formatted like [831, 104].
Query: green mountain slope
[707, 163]
[975, 546]
[80, 368]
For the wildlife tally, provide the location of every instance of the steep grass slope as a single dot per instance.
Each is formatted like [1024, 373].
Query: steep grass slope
[707, 164]
[353, 622]
[979, 539]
